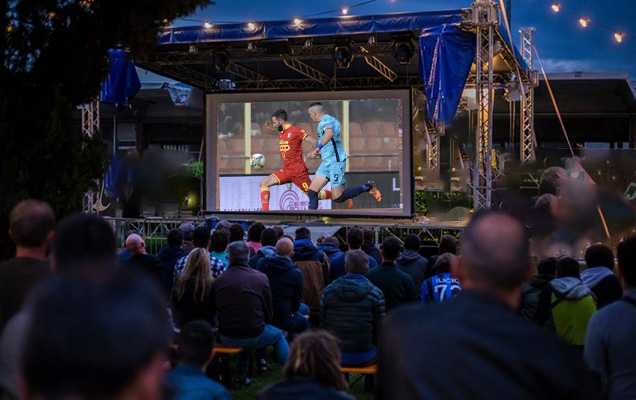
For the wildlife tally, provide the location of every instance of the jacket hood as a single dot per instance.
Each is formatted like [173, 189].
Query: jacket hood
[281, 263]
[570, 288]
[304, 249]
[352, 288]
[592, 276]
[408, 256]
[267, 251]
[330, 249]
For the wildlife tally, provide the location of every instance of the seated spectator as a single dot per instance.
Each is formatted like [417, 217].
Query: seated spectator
[441, 286]
[191, 297]
[411, 262]
[140, 260]
[331, 247]
[286, 284]
[200, 240]
[218, 246]
[196, 349]
[315, 268]
[609, 346]
[269, 237]
[369, 247]
[449, 350]
[397, 286]
[31, 224]
[536, 302]
[599, 275]
[352, 309]
[254, 233]
[237, 233]
[355, 238]
[95, 341]
[447, 244]
[572, 303]
[187, 230]
[312, 371]
[243, 305]
[171, 252]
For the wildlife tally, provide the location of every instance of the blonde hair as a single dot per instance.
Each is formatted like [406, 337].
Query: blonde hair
[197, 270]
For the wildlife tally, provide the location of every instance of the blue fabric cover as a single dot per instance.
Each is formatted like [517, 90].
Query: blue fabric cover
[122, 81]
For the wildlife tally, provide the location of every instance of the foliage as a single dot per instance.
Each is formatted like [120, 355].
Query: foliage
[52, 58]
[429, 201]
[196, 168]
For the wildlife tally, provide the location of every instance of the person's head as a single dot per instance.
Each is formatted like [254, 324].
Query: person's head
[302, 233]
[279, 232]
[626, 255]
[31, 224]
[95, 341]
[599, 255]
[316, 111]
[369, 238]
[187, 229]
[236, 233]
[224, 225]
[444, 263]
[135, 244]
[196, 273]
[255, 231]
[201, 237]
[355, 237]
[331, 240]
[315, 354]
[238, 253]
[356, 262]
[175, 238]
[269, 237]
[495, 256]
[219, 241]
[284, 247]
[447, 244]
[84, 244]
[279, 118]
[390, 249]
[196, 343]
[412, 242]
[547, 267]
[567, 267]
[551, 180]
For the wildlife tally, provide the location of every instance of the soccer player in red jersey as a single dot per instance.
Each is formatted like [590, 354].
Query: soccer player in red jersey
[294, 170]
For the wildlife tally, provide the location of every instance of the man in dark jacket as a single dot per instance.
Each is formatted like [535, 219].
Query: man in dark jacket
[599, 275]
[315, 268]
[148, 264]
[369, 247]
[355, 237]
[536, 304]
[331, 247]
[411, 262]
[268, 248]
[352, 309]
[397, 286]
[170, 254]
[286, 283]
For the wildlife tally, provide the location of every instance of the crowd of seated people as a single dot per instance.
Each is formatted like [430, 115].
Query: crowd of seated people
[81, 320]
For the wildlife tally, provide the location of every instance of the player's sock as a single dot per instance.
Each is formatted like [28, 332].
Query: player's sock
[264, 198]
[324, 195]
[313, 199]
[352, 192]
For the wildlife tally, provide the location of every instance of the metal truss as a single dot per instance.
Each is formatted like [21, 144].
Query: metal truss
[90, 117]
[306, 70]
[246, 73]
[377, 64]
[528, 138]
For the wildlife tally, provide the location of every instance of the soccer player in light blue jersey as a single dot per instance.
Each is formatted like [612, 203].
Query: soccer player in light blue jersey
[332, 168]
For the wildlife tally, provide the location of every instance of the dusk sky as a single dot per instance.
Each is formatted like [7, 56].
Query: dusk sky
[561, 42]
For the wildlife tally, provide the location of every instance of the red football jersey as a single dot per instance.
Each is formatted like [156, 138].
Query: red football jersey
[291, 148]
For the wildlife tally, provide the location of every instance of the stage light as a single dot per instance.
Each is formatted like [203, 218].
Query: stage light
[403, 52]
[371, 40]
[251, 47]
[343, 56]
[555, 7]
[619, 37]
[207, 25]
[298, 23]
[308, 43]
[251, 27]
[584, 22]
[192, 49]
[344, 10]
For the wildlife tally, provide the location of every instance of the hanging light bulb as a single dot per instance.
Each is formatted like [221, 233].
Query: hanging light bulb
[619, 37]
[556, 7]
[298, 23]
[584, 22]
[344, 10]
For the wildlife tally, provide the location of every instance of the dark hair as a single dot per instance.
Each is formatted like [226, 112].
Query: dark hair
[316, 355]
[599, 255]
[391, 247]
[412, 242]
[279, 232]
[92, 340]
[175, 238]
[219, 240]
[355, 237]
[547, 266]
[447, 244]
[196, 342]
[83, 241]
[369, 237]
[280, 114]
[317, 103]
[255, 231]
[443, 263]
[302, 233]
[568, 267]
[201, 237]
[550, 180]
[626, 252]
[30, 223]
[269, 237]
[236, 233]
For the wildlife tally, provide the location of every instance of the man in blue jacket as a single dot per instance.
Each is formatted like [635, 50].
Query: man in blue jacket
[355, 238]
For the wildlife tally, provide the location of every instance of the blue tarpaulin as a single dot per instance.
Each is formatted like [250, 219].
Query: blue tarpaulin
[122, 81]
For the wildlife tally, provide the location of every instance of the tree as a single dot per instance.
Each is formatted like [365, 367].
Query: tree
[53, 58]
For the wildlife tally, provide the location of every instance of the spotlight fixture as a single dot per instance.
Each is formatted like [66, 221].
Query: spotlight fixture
[344, 10]
[343, 56]
[556, 7]
[371, 40]
[403, 52]
[250, 27]
[298, 23]
[251, 46]
[584, 22]
[619, 37]
[207, 25]
[308, 43]
[192, 49]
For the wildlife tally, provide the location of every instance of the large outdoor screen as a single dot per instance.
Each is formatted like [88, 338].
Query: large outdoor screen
[364, 151]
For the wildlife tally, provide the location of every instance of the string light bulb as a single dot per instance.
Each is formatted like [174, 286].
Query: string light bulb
[619, 37]
[345, 10]
[584, 22]
[298, 23]
[555, 7]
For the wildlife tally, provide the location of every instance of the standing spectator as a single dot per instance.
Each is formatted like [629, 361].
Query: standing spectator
[449, 350]
[447, 244]
[279, 232]
[411, 262]
[218, 246]
[148, 264]
[187, 229]
[188, 378]
[286, 283]
[269, 237]
[254, 233]
[355, 238]
[352, 309]
[609, 348]
[237, 233]
[536, 301]
[191, 297]
[331, 247]
[397, 286]
[599, 275]
[171, 252]
[201, 240]
[572, 303]
[312, 371]
[442, 285]
[369, 247]
[315, 268]
[31, 224]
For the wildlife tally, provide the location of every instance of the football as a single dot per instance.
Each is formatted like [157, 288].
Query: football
[257, 161]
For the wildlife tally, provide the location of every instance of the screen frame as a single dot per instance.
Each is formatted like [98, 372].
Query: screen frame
[211, 170]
